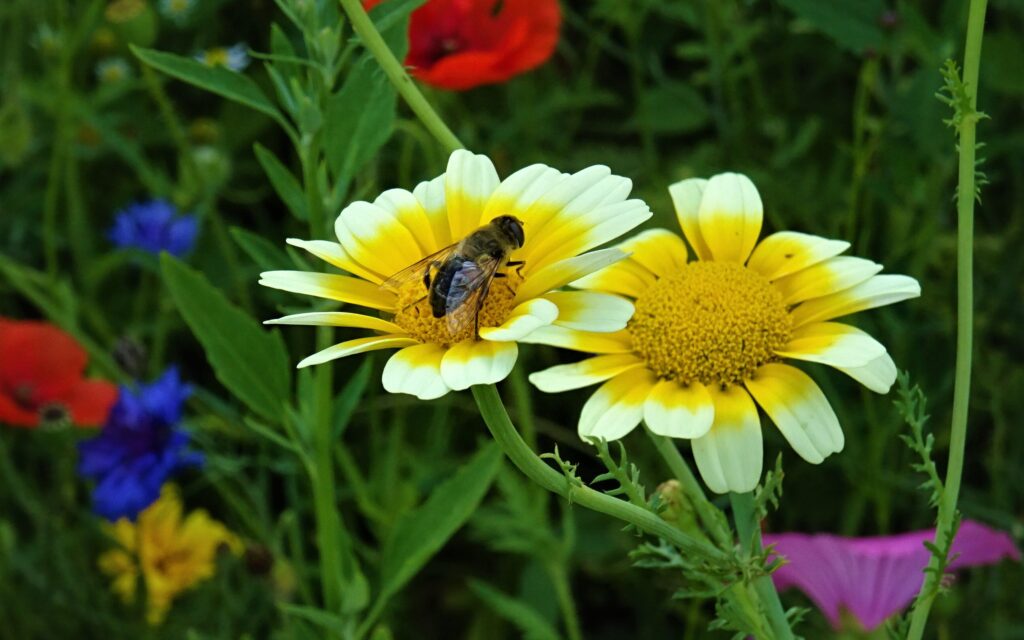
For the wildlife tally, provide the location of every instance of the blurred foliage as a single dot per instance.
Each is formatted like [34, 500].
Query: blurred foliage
[829, 106]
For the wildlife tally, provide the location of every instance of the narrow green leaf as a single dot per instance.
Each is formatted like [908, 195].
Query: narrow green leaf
[267, 255]
[285, 184]
[533, 626]
[420, 534]
[320, 618]
[251, 362]
[229, 84]
[347, 401]
[359, 118]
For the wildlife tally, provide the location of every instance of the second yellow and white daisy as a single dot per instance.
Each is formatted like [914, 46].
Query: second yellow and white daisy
[709, 337]
[564, 216]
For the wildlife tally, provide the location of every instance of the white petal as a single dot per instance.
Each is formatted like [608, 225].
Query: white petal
[591, 310]
[477, 362]
[584, 373]
[404, 207]
[875, 292]
[469, 182]
[523, 321]
[587, 341]
[626, 277]
[416, 371]
[518, 192]
[617, 407]
[686, 197]
[679, 411]
[430, 195]
[561, 273]
[798, 407]
[338, 319]
[731, 455]
[786, 252]
[359, 345]
[877, 375]
[832, 343]
[376, 239]
[334, 254]
[585, 231]
[659, 251]
[330, 286]
[730, 217]
[824, 278]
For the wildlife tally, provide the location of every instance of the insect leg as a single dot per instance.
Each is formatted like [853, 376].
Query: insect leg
[518, 264]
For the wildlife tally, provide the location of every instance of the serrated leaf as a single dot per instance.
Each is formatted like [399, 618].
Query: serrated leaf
[853, 24]
[250, 361]
[285, 184]
[228, 84]
[420, 534]
[533, 626]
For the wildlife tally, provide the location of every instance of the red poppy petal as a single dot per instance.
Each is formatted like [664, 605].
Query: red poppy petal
[462, 71]
[15, 415]
[41, 357]
[89, 402]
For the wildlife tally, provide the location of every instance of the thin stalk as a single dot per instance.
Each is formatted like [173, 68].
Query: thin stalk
[504, 432]
[395, 72]
[750, 542]
[964, 316]
[328, 522]
[563, 591]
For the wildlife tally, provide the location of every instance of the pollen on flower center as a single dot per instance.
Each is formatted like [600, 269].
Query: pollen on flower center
[415, 316]
[713, 322]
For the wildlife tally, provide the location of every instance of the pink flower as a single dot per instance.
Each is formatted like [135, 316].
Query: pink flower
[873, 578]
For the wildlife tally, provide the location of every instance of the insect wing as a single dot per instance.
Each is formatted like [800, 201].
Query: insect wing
[467, 292]
[417, 270]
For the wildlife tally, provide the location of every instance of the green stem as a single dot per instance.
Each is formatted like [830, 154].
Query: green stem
[328, 523]
[504, 432]
[395, 72]
[705, 510]
[749, 533]
[964, 316]
[563, 592]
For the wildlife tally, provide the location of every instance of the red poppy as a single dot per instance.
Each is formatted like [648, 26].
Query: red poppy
[41, 375]
[461, 44]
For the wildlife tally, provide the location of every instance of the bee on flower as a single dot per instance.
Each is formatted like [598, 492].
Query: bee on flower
[466, 266]
[234, 58]
[709, 337]
[171, 553]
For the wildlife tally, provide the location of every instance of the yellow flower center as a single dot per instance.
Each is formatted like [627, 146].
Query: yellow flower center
[415, 316]
[216, 57]
[713, 322]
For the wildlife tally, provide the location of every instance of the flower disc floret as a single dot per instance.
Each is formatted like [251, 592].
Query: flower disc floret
[711, 322]
[415, 316]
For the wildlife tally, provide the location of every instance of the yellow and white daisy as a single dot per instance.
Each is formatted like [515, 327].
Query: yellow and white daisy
[709, 336]
[563, 217]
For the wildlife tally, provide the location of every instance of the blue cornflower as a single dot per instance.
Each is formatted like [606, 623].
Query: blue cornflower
[154, 226]
[139, 448]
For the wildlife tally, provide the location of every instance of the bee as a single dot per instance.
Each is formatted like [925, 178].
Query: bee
[456, 279]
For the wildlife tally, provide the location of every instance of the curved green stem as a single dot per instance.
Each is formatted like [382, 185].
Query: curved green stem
[749, 532]
[395, 72]
[493, 412]
[964, 316]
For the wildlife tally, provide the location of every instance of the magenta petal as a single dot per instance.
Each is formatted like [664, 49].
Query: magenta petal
[873, 578]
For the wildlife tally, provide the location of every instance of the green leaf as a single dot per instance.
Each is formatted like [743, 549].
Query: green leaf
[347, 401]
[285, 184]
[229, 84]
[323, 619]
[266, 254]
[420, 534]
[392, 21]
[853, 24]
[533, 626]
[359, 118]
[251, 362]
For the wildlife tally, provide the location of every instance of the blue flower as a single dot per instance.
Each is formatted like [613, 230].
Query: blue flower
[139, 448]
[154, 226]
